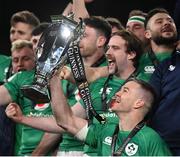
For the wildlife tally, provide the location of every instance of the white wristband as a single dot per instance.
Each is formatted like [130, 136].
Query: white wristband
[81, 134]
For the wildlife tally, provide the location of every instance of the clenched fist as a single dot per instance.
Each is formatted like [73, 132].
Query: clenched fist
[14, 112]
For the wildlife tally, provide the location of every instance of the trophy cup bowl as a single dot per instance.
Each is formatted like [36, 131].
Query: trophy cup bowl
[51, 55]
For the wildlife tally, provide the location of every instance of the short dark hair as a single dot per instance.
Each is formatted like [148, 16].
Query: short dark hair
[40, 28]
[133, 44]
[25, 17]
[146, 86]
[114, 22]
[153, 12]
[137, 12]
[100, 24]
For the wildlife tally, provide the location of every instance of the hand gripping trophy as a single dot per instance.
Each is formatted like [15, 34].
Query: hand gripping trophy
[51, 55]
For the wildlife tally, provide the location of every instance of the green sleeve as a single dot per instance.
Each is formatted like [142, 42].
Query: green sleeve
[156, 145]
[15, 83]
[93, 135]
[4, 62]
[159, 148]
[13, 87]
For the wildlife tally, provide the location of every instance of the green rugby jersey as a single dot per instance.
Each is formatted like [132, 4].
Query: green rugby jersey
[96, 88]
[146, 66]
[145, 143]
[4, 65]
[27, 138]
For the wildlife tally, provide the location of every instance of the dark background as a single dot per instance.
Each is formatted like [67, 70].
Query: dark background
[44, 8]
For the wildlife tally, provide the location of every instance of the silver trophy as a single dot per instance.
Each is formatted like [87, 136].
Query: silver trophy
[51, 55]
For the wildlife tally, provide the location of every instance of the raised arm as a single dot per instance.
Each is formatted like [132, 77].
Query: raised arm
[68, 9]
[62, 111]
[47, 124]
[92, 73]
[79, 9]
[95, 73]
[49, 140]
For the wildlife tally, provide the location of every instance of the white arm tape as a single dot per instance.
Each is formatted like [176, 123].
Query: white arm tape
[81, 134]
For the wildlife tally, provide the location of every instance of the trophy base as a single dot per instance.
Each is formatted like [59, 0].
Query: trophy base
[34, 94]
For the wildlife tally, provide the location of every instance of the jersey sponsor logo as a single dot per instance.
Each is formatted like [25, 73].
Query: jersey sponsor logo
[108, 140]
[131, 149]
[149, 69]
[111, 115]
[108, 90]
[171, 67]
[31, 114]
[41, 107]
